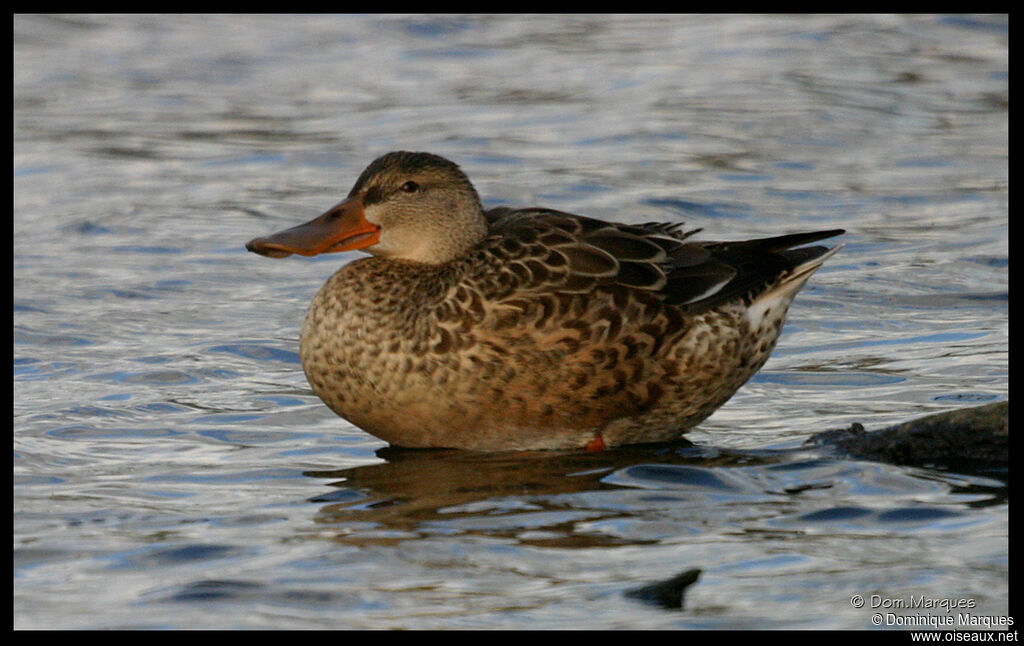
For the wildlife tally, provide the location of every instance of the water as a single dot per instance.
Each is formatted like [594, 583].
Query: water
[173, 469]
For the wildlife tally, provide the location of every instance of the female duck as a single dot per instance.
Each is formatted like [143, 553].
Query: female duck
[529, 328]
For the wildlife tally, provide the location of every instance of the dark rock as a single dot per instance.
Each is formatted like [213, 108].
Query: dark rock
[978, 436]
[667, 594]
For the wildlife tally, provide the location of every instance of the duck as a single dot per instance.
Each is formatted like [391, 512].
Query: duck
[524, 329]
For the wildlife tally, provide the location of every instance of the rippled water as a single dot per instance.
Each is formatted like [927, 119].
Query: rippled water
[173, 470]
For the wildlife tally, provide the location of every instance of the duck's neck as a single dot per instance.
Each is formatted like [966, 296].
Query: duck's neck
[398, 284]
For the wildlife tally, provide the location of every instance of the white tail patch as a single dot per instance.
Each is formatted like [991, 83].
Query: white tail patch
[772, 304]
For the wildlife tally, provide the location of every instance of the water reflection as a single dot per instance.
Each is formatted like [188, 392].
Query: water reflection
[426, 490]
[639, 495]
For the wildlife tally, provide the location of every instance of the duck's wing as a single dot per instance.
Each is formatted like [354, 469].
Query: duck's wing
[574, 254]
[552, 251]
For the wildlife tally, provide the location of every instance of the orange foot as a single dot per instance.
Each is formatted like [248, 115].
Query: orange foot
[595, 445]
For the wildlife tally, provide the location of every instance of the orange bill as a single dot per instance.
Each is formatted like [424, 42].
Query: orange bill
[343, 228]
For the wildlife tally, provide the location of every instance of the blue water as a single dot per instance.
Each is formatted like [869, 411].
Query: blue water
[172, 468]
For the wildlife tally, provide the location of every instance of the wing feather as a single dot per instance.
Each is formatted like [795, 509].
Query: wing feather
[556, 252]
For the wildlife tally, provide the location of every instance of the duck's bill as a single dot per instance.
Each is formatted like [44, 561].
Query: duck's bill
[343, 228]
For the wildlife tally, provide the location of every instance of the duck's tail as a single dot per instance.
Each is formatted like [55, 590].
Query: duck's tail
[777, 295]
[707, 274]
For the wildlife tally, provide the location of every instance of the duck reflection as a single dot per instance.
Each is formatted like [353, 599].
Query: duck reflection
[537, 498]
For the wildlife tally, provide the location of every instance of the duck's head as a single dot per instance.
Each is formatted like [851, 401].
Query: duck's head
[414, 206]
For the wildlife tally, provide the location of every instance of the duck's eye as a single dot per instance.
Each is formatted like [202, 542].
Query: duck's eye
[410, 187]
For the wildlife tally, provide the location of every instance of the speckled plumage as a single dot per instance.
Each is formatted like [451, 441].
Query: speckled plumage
[546, 331]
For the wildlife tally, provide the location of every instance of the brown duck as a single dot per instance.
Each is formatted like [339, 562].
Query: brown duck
[529, 328]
